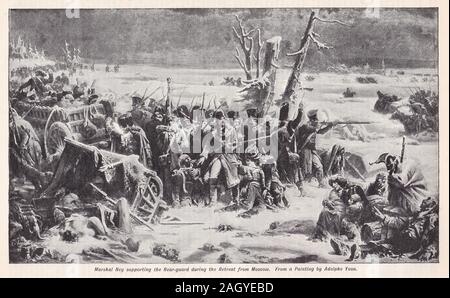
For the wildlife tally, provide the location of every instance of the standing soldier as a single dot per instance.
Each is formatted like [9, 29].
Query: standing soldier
[221, 161]
[288, 160]
[307, 137]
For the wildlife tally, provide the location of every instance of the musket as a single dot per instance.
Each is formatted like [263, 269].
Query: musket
[168, 104]
[203, 100]
[143, 95]
[192, 103]
[179, 98]
[153, 92]
[27, 112]
[209, 103]
[354, 168]
[402, 154]
[347, 122]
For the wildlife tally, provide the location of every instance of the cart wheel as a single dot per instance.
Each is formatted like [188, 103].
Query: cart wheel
[55, 137]
[147, 205]
[156, 186]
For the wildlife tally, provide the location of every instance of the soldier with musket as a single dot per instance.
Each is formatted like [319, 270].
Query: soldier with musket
[306, 146]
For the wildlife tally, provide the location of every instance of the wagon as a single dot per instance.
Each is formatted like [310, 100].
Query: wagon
[85, 169]
[53, 124]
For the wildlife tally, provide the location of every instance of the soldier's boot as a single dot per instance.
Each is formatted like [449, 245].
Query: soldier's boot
[235, 195]
[176, 197]
[300, 188]
[213, 192]
[285, 201]
[300, 179]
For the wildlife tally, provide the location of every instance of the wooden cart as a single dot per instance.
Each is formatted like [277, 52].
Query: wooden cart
[54, 124]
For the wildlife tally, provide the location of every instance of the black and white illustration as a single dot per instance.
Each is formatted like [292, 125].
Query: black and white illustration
[231, 135]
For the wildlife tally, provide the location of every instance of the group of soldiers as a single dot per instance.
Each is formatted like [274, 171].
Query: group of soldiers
[250, 179]
[227, 166]
[165, 137]
[393, 216]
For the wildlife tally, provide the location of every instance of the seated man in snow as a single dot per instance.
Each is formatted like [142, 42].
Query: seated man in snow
[274, 185]
[406, 192]
[406, 184]
[376, 194]
[342, 210]
[253, 186]
[186, 183]
[401, 233]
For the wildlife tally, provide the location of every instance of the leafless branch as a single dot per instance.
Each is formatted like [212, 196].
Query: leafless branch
[244, 33]
[275, 65]
[319, 44]
[246, 42]
[332, 21]
[247, 34]
[296, 53]
[240, 61]
[239, 37]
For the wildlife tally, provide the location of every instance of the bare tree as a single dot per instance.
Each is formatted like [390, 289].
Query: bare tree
[259, 88]
[300, 55]
[246, 43]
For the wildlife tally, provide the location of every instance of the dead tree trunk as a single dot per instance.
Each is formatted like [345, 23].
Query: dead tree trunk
[258, 54]
[168, 105]
[269, 72]
[309, 35]
[294, 78]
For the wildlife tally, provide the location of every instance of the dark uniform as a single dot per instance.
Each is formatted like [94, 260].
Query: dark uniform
[288, 160]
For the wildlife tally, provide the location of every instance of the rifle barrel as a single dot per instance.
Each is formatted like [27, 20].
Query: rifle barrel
[352, 122]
